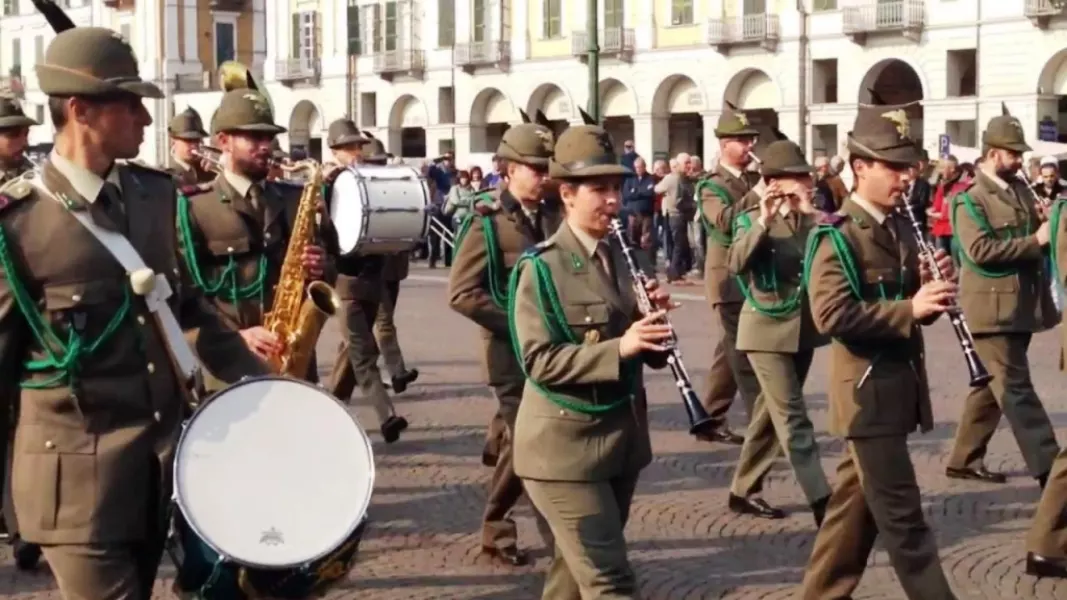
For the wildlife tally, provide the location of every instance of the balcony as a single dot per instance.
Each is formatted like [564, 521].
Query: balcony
[120, 4]
[903, 17]
[306, 70]
[228, 5]
[747, 30]
[1040, 12]
[393, 63]
[614, 42]
[475, 55]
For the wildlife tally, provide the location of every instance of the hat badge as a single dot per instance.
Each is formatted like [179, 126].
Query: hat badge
[899, 119]
[742, 119]
[544, 135]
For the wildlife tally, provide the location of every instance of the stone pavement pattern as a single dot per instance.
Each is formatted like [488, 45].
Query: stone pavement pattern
[684, 544]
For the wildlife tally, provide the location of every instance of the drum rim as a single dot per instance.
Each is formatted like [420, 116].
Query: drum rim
[189, 522]
[361, 180]
[364, 198]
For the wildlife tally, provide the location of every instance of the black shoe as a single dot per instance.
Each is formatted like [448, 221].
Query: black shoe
[1040, 566]
[403, 380]
[721, 435]
[818, 510]
[392, 427]
[512, 556]
[979, 474]
[27, 555]
[1042, 480]
[756, 507]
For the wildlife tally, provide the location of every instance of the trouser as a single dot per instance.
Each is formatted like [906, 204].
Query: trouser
[681, 257]
[1011, 393]
[587, 519]
[730, 370]
[640, 231]
[357, 359]
[698, 242]
[385, 330]
[875, 494]
[120, 571]
[505, 488]
[1048, 532]
[780, 423]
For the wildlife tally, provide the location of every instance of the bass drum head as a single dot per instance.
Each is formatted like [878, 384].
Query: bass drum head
[348, 210]
[273, 473]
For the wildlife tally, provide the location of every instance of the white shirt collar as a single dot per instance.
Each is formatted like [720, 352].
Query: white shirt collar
[588, 242]
[84, 181]
[240, 183]
[877, 213]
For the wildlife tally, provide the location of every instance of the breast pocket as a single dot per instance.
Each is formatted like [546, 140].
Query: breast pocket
[586, 318]
[54, 476]
[87, 305]
[229, 247]
[881, 283]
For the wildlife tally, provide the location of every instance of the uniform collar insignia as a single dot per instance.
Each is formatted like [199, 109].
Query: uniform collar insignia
[577, 261]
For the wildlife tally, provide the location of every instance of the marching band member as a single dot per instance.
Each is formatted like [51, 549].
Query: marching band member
[102, 397]
[234, 235]
[394, 270]
[187, 134]
[581, 433]
[870, 293]
[1005, 295]
[775, 329]
[511, 218]
[360, 284]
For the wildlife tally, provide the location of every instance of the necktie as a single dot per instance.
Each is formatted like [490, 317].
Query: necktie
[891, 225]
[255, 199]
[606, 264]
[110, 202]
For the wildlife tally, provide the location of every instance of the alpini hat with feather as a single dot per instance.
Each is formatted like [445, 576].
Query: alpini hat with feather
[733, 122]
[527, 143]
[883, 132]
[187, 125]
[92, 62]
[1005, 132]
[11, 115]
[245, 110]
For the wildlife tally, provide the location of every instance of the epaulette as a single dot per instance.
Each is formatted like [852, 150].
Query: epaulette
[834, 219]
[150, 170]
[540, 247]
[194, 189]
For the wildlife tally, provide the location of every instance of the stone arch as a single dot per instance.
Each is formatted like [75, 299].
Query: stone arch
[305, 122]
[408, 111]
[491, 105]
[678, 93]
[897, 81]
[1052, 77]
[617, 99]
[753, 88]
[554, 100]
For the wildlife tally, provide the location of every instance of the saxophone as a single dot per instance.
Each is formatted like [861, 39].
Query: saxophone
[297, 316]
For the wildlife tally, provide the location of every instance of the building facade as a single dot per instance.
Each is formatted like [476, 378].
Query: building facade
[179, 44]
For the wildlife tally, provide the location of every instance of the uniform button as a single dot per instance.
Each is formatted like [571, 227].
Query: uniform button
[158, 417]
[266, 236]
[140, 319]
[230, 249]
[588, 319]
[177, 272]
[151, 368]
[562, 413]
[76, 298]
[879, 278]
[50, 444]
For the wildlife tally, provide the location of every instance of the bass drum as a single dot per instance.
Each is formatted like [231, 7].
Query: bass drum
[272, 480]
[379, 210]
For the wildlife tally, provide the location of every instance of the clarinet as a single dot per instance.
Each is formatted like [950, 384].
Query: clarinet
[980, 376]
[698, 417]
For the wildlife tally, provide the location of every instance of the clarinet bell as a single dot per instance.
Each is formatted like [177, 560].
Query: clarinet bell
[980, 377]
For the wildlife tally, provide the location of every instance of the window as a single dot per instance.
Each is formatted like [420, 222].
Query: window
[355, 37]
[38, 49]
[479, 8]
[11, 7]
[613, 14]
[16, 57]
[446, 23]
[552, 19]
[681, 12]
[392, 25]
[305, 36]
[818, 5]
[754, 7]
[225, 41]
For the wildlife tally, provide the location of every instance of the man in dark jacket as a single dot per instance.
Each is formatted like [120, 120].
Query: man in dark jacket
[639, 200]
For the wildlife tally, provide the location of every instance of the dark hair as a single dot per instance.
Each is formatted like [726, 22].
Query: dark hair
[478, 170]
[462, 175]
[57, 111]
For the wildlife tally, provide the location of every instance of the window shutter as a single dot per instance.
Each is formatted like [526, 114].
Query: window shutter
[296, 36]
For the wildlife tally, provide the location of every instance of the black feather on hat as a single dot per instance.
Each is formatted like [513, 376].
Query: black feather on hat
[586, 117]
[525, 117]
[541, 119]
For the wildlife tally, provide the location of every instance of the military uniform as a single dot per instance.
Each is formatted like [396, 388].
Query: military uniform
[777, 333]
[722, 197]
[188, 126]
[13, 119]
[863, 272]
[101, 412]
[581, 433]
[1005, 296]
[394, 270]
[360, 284]
[235, 234]
[487, 248]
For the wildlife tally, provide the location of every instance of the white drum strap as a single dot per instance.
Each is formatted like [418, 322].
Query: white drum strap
[157, 292]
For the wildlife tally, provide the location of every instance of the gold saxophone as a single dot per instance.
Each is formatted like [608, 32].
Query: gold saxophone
[297, 316]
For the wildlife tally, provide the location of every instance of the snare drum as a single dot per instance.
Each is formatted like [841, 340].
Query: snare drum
[272, 480]
[379, 210]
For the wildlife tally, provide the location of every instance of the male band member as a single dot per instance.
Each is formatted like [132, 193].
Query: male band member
[14, 136]
[186, 136]
[870, 293]
[775, 328]
[394, 270]
[488, 246]
[100, 411]
[235, 234]
[1005, 295]
[720, 196]
[360, 285]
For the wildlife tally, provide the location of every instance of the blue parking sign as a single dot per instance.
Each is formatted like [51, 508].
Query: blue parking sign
[944, 145]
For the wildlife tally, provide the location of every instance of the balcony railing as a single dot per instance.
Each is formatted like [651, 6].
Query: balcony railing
[120, 4]
[304, 70]
[403, 61]
[904, 17]
[618, 42]
[486, 53]
[1040, 12]
[762, 30]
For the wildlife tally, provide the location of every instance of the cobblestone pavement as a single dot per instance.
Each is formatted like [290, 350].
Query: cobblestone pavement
[684, 544]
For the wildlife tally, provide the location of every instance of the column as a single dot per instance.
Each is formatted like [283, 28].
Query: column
[259, 35]
[711, 143]
[190, 48]
[520, 24]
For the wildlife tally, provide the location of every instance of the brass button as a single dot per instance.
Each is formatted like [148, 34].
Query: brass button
[562, 413]
[158, 417]
[140, 319]
[176, 271]
[230, 249]
[266, 236]
[588, 319]
[76, 298]
[50, 444]
[151, 368]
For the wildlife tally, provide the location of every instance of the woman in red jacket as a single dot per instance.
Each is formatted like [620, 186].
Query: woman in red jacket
[952, 182]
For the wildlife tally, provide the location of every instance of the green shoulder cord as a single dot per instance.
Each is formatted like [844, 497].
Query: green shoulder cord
[848, 262]
[559, 331]
[226, 286]
[766, 279]
[721, 238]
[964, 199]
[492, 250]
[63, 357]
[1055, 214]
